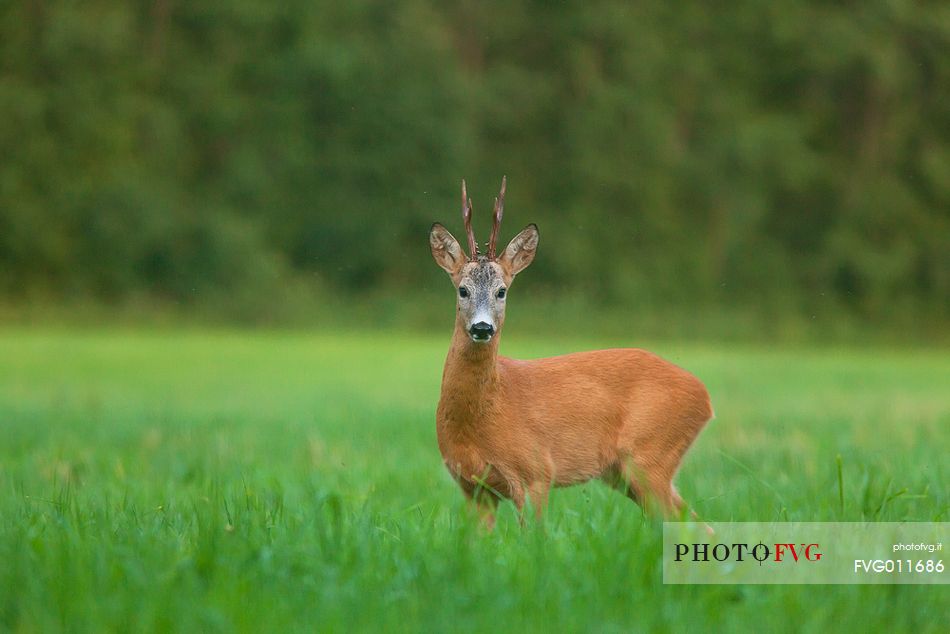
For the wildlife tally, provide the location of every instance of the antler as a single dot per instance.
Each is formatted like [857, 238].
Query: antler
[467, 219]
[496, 223]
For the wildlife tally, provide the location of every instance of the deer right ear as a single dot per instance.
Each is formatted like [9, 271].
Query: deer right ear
[520, 251]
[446, 250]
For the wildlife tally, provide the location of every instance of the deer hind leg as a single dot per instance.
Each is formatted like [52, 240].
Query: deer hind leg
[651, 459]
[631, 482]
[680, 505]
[617, 477]
[649, 485]
[673, 503]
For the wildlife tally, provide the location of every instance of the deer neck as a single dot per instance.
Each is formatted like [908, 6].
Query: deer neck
[470, 378]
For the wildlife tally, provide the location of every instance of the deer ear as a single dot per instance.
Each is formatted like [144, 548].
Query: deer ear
[446, 250]
[520, 251]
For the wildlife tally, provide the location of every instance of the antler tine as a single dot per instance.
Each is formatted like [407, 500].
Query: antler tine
[467, 219]
[496, 223]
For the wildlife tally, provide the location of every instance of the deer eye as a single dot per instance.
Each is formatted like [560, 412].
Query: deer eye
[501, 293]
[463, 292]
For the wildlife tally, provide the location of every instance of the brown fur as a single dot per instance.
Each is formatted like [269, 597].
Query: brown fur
[517, 428]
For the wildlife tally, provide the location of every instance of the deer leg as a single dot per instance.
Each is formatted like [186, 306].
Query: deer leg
[617, 478]
[484, 503]
[482, 500]
[485, 506]
[671, 504]
[679, 505]
[518, 497]
[637, 483]
[538, 492]
[654, 493]
[662, 494]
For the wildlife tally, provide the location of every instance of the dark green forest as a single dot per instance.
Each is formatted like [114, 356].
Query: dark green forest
[781, 157]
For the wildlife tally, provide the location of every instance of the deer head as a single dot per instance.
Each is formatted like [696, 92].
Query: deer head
[482, 282]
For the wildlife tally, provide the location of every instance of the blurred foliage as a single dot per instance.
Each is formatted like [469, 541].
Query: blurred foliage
[783, 156]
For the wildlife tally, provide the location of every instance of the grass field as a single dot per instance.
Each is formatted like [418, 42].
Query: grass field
[231, 481]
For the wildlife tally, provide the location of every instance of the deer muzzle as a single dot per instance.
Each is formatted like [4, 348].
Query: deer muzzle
[481, 331]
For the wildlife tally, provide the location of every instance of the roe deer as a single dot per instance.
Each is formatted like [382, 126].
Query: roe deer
[513, 429]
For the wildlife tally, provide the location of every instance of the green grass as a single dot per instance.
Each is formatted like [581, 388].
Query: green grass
[236, 481]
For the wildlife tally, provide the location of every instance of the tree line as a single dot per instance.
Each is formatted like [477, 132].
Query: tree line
[786, 153]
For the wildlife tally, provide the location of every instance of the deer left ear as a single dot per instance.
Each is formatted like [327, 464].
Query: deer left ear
[520, 251]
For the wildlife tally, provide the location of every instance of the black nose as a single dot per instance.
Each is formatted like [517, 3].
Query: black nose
[482, 330]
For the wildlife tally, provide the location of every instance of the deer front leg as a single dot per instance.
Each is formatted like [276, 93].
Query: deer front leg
[516, 493]
[482, 500]
[538, 493]
[535, 493]
[485, 505]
